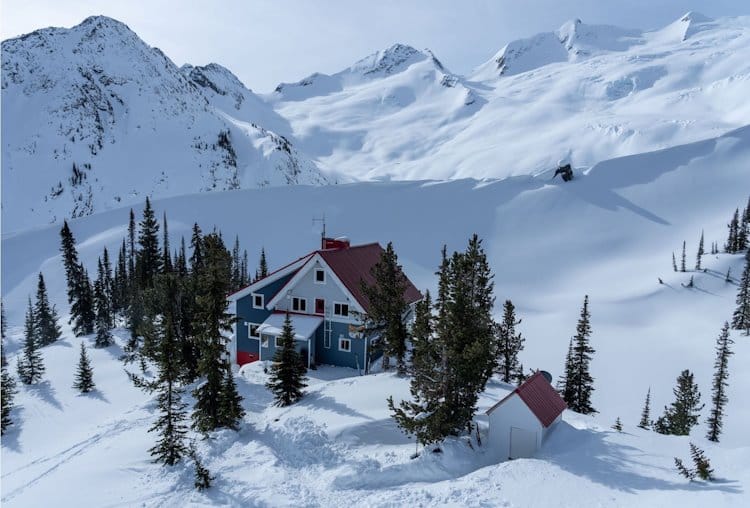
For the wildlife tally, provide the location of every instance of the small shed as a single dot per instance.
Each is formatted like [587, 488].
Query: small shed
[519, 423]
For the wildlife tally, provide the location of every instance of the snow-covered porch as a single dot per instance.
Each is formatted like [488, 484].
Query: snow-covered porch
[304, 328]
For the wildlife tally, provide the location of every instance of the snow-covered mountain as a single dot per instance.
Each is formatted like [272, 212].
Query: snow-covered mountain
[582, 93]
[94, 118]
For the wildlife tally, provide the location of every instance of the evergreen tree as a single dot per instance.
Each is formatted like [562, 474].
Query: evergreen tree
[148, 258]
[702, 466]
[741, 316]
[565, 389]
[70, 260]
[674, 263]
[263, 266]
[287, 376]
[700, 253]
[721, 374]
[645, 422]
[82, 310]
[181, 263]
[579, 383]
[30, 364]
[683, 413]
[245, 276]
[210, 321]
[236, 265]
[7, 394]
[617, 425]
[196, 246]
[683, 259]
[119, 282]
[45, 316]
[108, 285]
[166, 256]
[84, 381]
[728, 276]
[734, 229]
[230, 409]
[102, 308]
[683, 470]
[203, 476]
[131, 249]
[385, 317]
[2, 333]
[509, 344]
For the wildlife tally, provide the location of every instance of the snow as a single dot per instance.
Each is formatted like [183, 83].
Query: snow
[608, 233]
[304, 326]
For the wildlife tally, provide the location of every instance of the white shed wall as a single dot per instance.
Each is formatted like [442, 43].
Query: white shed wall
[512, 413]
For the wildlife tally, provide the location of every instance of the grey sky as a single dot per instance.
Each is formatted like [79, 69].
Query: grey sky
[265, 42]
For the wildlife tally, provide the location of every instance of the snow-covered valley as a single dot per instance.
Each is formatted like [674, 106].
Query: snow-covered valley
[609, 233]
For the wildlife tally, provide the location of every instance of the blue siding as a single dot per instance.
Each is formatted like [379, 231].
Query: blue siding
[300, 345]
[247, 314]
[333, 356]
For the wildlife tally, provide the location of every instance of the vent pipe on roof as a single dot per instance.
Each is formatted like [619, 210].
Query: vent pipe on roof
[339, 243]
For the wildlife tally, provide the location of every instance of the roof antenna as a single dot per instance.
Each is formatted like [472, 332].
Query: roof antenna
[323, 233]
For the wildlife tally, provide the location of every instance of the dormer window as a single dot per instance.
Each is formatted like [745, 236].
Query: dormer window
[320, 276]
[258, 301]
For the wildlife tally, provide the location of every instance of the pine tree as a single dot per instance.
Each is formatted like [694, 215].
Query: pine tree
[674, 263]
[45, 316]
[683, 413]
[2, 333]
[683, 259]
[385, 317]
[732, 238]
[684, 471]
[70, 260]
[236, 265]
[148, 258]
[82, 310]
[287, 374]
[30, 364]
[84, 381]
[702, 466]
[181, 263]
[131, 251]
[700, 253]
[196, 246]
[645, 422]
[108, 285]
[7, 394]
[617, 425]
[166, 256]
[120, 282]
[102, 309]
[579, 383]
[263, 266]
[230, 410]
[203, 476]
[565, 389]
[210, 321]
[741, 316]
[245, 275]
[509, 344]
[728, 276]
[721, 374]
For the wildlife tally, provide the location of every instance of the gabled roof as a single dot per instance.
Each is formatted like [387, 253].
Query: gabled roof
[287, 269]
[539, 397]
[349, 266]
[304, 326]
[353, 265]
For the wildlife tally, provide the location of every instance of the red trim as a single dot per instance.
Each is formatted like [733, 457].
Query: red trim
[243, 358]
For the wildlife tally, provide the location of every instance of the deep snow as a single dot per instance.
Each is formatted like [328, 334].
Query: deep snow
[609, 233]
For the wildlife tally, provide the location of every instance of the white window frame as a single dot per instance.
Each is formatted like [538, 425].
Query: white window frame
[276, 342]
[326, 340]
[299, 299]
[344, 339]
[262, 300]
[341, 304]
[315, 275]
[250, 330]
[264, 341]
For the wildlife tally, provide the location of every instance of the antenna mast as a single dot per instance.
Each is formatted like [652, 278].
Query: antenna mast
[323, 221]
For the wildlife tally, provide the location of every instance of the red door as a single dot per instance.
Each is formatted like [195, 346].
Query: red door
[320, 306]
[243, 358]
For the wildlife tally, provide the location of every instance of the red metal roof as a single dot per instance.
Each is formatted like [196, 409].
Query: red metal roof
[540, 398]
[352, 265]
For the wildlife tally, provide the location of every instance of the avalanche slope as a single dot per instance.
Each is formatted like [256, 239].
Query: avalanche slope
[609, 234]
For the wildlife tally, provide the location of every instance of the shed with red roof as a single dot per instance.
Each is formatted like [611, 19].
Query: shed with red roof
[520, 422]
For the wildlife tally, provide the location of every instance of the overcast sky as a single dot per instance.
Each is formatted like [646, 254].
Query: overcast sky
[265, 42]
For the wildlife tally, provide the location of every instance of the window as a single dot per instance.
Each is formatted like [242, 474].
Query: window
[299, 304]
[264, 341]
[258, 302]
[252, 330]
[320, 276]
[277, 341]
[320, 306]
[345, 344]
[341, 309]
[327, 340]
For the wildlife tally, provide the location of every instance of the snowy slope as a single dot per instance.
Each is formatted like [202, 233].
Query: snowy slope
[609, 233]
[584, 93]
[97, 97]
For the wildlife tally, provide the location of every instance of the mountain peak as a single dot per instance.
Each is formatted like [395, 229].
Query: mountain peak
[388, 61]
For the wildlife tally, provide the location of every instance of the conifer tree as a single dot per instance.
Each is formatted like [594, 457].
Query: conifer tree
[263, 265]
[120, 282]
[30, 364]
[617, 425]
[236, 265]
[245, 275]
[45, 316]
[131, 247]
[82, 310]
[683, 413]
[683, 267]
[683, 470]
[210, 321]
[702, 466]
[385, 317]
[728, 276]
[287, 374]
[565, 390]
[579, 383]
[166, 256]
[70, 260]
[721, 374]
[2, 333]
[102, 308]
[732, 239]
[699, 256]
[674, 263]
[203, 476]
[196, 246]
[230, 411]
[741, 316]
[645, 422]
[148, 258]
[181, 263]
[509, 344]
[84, 381]
[7, 394]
